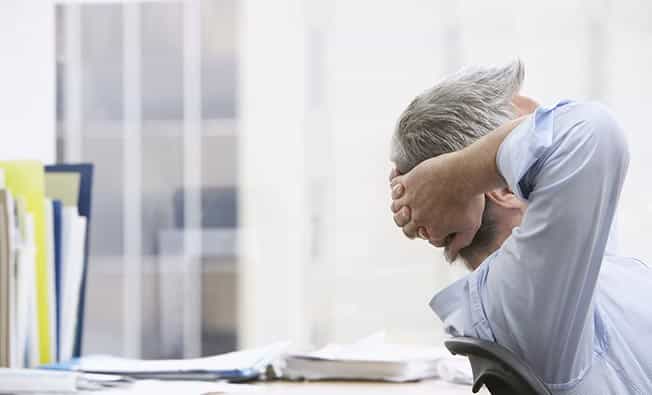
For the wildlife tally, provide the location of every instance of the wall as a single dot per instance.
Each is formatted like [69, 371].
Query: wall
[377, 56]
[381, 54]
[27, 80]
[272, 181]
[379, 61]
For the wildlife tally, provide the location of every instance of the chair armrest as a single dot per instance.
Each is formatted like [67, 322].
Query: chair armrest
[494, 366]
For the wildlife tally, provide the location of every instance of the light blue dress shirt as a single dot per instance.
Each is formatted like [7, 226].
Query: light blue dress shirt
[557, 293]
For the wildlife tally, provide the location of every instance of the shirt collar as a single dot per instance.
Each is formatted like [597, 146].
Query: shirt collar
[455, 296]
[450, 299]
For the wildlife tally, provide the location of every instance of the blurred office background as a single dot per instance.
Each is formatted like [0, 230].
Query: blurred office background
[241, 150]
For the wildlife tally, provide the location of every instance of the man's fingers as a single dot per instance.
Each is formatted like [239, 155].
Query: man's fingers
[393, 174]
[422, 233]
[410, 230]
[397, 191]
[397, 204]
[396, 180]
[435, 235]
[402, 216]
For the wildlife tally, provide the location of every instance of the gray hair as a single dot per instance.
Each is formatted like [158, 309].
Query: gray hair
[455, 113]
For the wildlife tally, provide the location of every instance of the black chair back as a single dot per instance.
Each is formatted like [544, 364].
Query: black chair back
[497, 368]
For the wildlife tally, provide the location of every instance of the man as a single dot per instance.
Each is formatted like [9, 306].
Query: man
[526, 196]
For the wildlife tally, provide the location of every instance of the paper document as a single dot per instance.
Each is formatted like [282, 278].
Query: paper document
[234, 365]
[13, 381]
[374, 359]
[72, 251]
[147, 387]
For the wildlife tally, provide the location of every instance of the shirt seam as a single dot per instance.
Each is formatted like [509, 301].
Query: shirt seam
[603, 353]
[558, 108]
[621, 374]
[641, 262]
[480, 325]
[572, 383]
[479, 319]
[503, 146]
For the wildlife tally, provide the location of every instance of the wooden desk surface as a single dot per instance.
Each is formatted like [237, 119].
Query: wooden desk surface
[430, 387]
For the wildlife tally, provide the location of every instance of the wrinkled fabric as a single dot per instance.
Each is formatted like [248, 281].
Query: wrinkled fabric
[557, 293]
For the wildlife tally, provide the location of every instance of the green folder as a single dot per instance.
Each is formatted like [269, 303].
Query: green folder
[25, 179]
[64, 187]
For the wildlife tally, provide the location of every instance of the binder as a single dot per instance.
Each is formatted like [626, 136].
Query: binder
[56, 222]
[72, 246]
[50, 279]
[27, 345]
[25, 179]
[5, 278]
[85, 171]
[43, 261]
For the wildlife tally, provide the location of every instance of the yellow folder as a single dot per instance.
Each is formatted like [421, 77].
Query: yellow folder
[63, 186]
[26, 179]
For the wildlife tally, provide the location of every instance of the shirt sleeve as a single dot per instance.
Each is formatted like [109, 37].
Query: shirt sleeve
[569, 164]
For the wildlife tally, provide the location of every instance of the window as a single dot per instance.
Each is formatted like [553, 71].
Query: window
[147, 91]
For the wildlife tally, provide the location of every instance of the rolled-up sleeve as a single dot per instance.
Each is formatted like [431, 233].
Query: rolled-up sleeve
[569, 163]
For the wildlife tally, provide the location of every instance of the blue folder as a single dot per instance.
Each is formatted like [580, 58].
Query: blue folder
[85, 171]
[241, 365]
[232, 375]
[56, 221]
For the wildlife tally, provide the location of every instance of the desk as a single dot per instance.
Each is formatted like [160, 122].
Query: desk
[429, 387]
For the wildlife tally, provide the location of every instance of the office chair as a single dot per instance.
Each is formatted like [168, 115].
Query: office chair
[497, 368]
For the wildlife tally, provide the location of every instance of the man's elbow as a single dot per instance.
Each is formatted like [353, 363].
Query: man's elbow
[609, 136]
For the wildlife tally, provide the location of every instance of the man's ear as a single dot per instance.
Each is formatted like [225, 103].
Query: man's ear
[524, 105]
[504, 197]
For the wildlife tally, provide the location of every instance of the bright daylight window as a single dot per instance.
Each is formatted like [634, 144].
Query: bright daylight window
[148, 93]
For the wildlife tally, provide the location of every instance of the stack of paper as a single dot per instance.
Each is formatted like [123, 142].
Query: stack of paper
[44, 214]
[240, 365]
[373, 359]
[14, 381]
[181, 387]
[31, 381]
[6, 285]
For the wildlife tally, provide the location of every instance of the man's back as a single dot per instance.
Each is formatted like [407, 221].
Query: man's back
[624, 318]
[551, 292]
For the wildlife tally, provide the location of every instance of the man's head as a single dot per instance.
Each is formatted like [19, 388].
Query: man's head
[452, 115]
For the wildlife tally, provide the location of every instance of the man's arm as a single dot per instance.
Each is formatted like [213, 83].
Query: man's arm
[569, 164]
[444, 195]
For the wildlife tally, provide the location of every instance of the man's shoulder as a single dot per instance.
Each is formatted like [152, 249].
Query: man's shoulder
[591, 113]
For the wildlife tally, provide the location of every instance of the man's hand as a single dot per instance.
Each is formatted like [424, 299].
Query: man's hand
[434, 202]
[442, 199]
